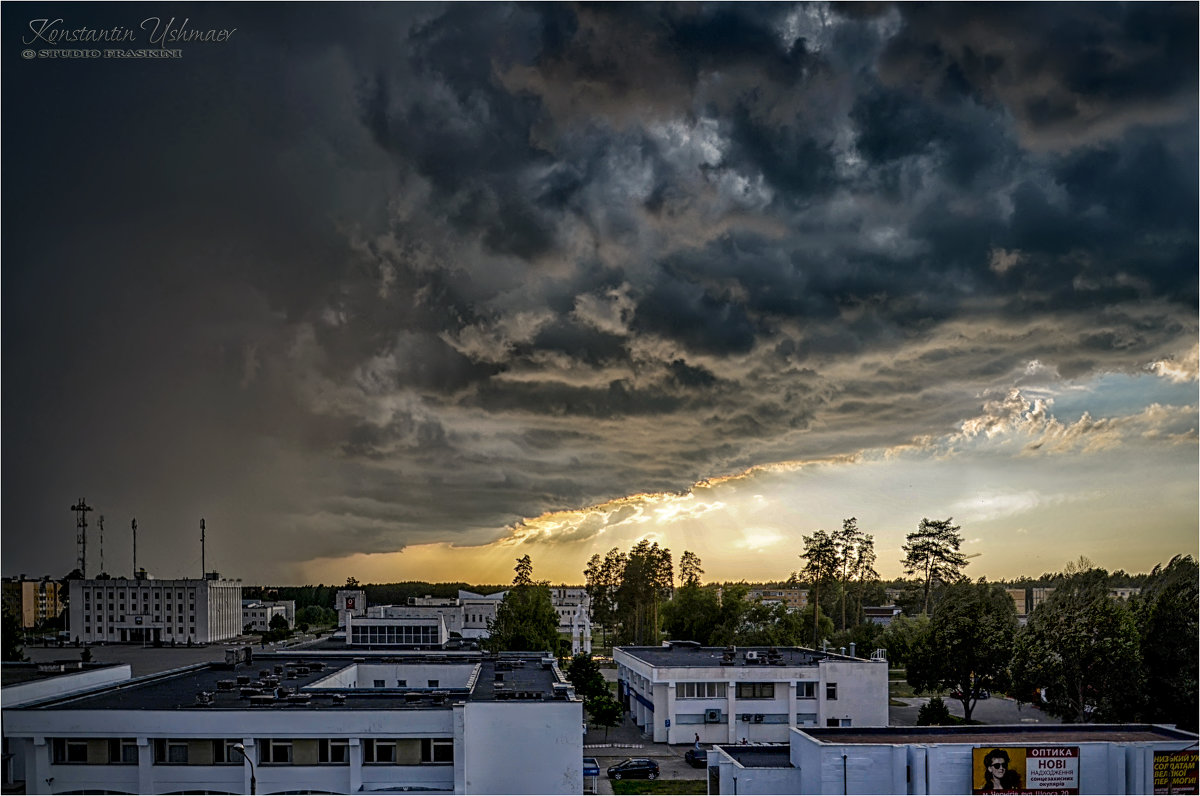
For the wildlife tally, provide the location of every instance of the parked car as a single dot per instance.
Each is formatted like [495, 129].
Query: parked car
[634, 767]
[696, 758]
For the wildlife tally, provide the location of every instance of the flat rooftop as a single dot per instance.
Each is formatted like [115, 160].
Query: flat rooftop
[686, 655]
[324, 682]
[998, 735]
[760, 755]
[18, 673]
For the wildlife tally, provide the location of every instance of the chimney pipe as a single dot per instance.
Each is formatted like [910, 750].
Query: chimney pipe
[852, 655]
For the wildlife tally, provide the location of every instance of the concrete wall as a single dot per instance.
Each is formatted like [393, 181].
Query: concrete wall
[511, 747]
[736, 779]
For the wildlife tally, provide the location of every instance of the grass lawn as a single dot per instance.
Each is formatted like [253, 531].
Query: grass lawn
[660, 786]
[900, 689]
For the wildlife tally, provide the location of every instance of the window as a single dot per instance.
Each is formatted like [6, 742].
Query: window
[170, 751]
[379, 683]
[831, 691]
[433, 683]
[123, 751]
[402, 684]
[437, 750]
[334, 750]
[806, 719]
[806, 689]
[379, 750]
[699, 690]
[755, 690]
[277, 751]
[832, 723]
[224, 753]
[67, 750]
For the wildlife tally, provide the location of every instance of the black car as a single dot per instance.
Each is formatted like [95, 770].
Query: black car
[634, 767]
[696, 758]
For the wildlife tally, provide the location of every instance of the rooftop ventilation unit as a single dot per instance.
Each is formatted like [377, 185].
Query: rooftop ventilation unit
[752, 655]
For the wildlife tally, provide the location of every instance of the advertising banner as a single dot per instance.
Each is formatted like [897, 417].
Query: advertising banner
[1025, 769]
[1175, 772]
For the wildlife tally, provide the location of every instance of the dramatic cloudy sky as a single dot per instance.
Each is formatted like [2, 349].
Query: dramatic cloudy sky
[408, 291]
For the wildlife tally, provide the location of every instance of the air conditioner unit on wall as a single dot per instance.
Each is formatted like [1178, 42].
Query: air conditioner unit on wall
[712, 716]
[758, 718]
[746, 717]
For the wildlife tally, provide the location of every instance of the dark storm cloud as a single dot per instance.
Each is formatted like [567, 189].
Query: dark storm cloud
[370, 276]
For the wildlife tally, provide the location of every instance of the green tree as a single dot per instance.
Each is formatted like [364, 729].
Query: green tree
[967, 645]
[645, 583]
[604, 711]
[689, 569]
[603, 577]
[11, 648]
[1082, 647]
[902, 636]
[1166, 615]
[932, 554]
[525, 618]
[278, 622]
[586, 677]
[820, 564]
[812, 616]
[693, 614]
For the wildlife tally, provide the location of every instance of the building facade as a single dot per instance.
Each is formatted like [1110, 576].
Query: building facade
[150, 611]
[1082, 758]
[792, 599]
[724, 695]
[315, 724]
[33, 601]
[257, 614]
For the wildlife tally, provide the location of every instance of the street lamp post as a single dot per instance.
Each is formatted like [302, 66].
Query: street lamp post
[241, 749]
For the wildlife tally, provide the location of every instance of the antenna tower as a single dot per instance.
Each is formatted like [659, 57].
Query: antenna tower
[133, 524]
[101, 524]
[203, 573]
[81, 509]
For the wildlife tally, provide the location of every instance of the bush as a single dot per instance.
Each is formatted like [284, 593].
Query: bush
[935, 713]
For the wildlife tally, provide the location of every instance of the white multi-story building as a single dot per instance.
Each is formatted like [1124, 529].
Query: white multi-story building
[257, 614]
[725, 695]
[155, 611]
[326, 723]
[1037, 758]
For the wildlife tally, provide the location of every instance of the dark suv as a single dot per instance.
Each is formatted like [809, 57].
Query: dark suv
[696, 758]
[634, 767]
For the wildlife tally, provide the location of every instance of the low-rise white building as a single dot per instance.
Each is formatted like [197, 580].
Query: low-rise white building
[146, 610]
[257, 614]
[327, 723]
[1069, 758]
[724, 695]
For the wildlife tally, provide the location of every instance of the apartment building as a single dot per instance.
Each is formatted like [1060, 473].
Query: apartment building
[725, 695]
[326, 723]
[792, 599]
[33, 601]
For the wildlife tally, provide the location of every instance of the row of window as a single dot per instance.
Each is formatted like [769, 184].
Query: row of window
[805, 689]
[394, 634]
[272, 751]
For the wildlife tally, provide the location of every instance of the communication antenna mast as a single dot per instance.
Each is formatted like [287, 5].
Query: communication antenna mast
[101, 524]
[133, 523]
[81, 509]
[202, 569]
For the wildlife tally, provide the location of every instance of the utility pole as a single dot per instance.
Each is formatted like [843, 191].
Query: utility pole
[81, 509]
[134, 525]
[101, 524]
[203, 570]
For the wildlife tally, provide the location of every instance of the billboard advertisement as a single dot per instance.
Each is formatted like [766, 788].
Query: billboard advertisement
[1025, 769]
[1175, 772]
